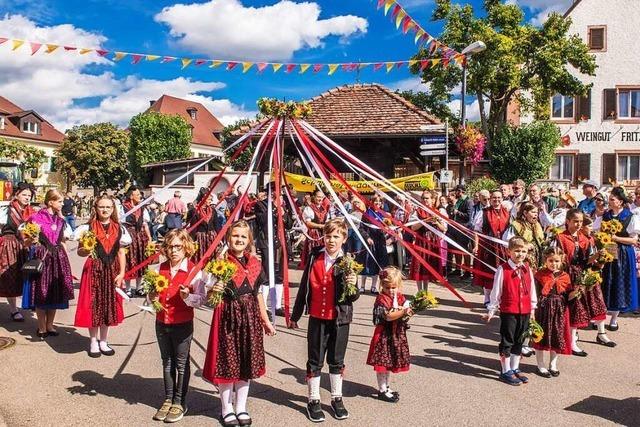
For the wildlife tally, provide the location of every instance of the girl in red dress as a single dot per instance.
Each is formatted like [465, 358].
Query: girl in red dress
[389, 348]
[138, 228]
[99, 306]
[554, 289]
[429, 241]
[235, 354]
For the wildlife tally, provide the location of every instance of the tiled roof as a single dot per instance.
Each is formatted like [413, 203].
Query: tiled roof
[204, 125]
[10, 110]
[367, 110]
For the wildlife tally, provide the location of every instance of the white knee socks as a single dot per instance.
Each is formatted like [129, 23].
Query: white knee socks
[279, 291]
[574, 340]
[553, 361]
[242, 394]
[94, 346]
[226, 398]
[614, 318]
[540, 361]
[515, 362]
[382, 381]
[363, 282]
[104, 333]
[313, 384]
[505, 362]
[487, 295]
[374, 282]
[336, 385]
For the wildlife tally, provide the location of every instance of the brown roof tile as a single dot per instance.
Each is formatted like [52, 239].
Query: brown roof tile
[10, 110]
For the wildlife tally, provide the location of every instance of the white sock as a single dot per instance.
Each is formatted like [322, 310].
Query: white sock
[382, 381]
[242, 394]
[226, 392]
[574, 340]
[515, 362]
[602, 333]
[363, 282]
[336, 385]
[540, 361]
[388, 375]
[279, 292]
[487, 294]
[506, 364]
[94, 346]
[614, 318]
[313, 384]
[104, 346]
[553, 361]
[374, 282]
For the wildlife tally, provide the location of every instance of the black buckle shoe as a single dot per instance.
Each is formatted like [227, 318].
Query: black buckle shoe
[603, 342]
[612, 328]
[580, 353]
[339, 410]
[387, 396]
[314, 411]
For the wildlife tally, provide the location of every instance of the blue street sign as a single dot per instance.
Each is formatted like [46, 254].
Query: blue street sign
[433, 139]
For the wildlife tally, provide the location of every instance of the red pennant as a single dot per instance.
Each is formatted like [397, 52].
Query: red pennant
[424, 64]
[168, 59]
[262, 66]
[231, 65]
[70, 48]
[35, 47]
[2, 40]
[290, 68]
[136, 58]
[405, 24]
[445, 62]
[102, 52]
[396, 10]
[433, 47]
[377, 66]
[400, 64]
[200, 61]
[318, 67]
[381, 3]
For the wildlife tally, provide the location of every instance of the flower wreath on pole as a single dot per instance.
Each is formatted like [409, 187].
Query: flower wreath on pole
[470, 143]
[271, 107]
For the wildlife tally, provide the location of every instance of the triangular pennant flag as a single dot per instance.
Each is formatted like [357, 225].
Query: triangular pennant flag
[424, 64]
[215, 64]
[289, 68]
[199, 62]
[390, 66]
[261, 66]
[35, 47]
[70, 48]
[435, 61]
[333, 68]
[51, 48]
[419, 34]
[380, 3]
[152, 57]
[445, 62]
[399, 18]
[17, 44]
[407, 24]
[304, 67]
[3, 39]
[396, 11]
[231, 65]
[387, 6]
[317, 67]
[433, 47]
[363, 65]
[377, 66]
[353, 67]
[427, 39]
[276, 67]
[136, 57]
[85, 51]
[413, 62]
[102, 52]
[168, 59]
[246, 66]
[185, 62]
[400, 64]
[119, 55]
[345, 67]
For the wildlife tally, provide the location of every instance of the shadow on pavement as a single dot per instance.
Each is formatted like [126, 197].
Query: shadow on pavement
[349, 388]
[462, 364]
[620, 411]
[462, 343]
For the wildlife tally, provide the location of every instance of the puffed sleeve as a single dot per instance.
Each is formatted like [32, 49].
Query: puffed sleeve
[508, 233]
[145, 215]
[4, 215]
[198, 294]
[634, 226]
[125, 237]
[79, 232]
[597, 222]
[379, 314]
[67, 232]
[307, 214]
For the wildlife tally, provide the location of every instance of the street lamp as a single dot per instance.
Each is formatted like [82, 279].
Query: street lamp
[475, 47]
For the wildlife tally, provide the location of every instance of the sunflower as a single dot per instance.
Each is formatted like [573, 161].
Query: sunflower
[31, 230]
[150, 249]
[162, 283]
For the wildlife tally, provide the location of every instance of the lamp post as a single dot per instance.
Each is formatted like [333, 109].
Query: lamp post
[475, 47]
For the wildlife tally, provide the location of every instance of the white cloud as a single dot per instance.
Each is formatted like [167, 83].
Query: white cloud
[543, 8]
[472, 111]
[56, 84]
[226, 29]
[412, 83]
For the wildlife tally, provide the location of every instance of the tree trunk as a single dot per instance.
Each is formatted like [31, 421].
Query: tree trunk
[483, 116]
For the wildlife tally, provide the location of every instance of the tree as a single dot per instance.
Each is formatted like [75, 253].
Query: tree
[94, 156]
[526, 152]
[29, 157]
[227, 138]
[157, 137]
[519, 59]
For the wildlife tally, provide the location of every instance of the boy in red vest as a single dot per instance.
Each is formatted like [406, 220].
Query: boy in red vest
[514, 294]
[320, 296]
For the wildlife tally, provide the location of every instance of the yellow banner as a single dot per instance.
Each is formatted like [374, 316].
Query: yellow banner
[306, 184]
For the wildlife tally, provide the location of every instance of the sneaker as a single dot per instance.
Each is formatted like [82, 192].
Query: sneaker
[314, 411]
[163, 411]
[518, 373]
[510, 378]
[339, 410]
[176, 412]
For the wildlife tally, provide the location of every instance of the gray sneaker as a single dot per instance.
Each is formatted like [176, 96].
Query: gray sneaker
[175, 414]
[163, 411]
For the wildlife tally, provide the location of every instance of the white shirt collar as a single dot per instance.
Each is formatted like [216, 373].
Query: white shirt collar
[513, 264]
[329, 261]
[184, 265]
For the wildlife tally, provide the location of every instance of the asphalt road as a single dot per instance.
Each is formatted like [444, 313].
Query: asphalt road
[452, 381]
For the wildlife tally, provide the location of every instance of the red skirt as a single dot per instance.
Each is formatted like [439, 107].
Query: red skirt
[389, 348]
[204, 239]
[552, 314]
[12, 256]
[236, 350]
[595, 304]
[419, 272]
[135, 251]
[98, 302]
[316, 240]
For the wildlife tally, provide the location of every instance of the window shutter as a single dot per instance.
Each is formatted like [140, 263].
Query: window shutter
[584, 107]
[596, 38]
[608, 168]
[609, 111]
[584, 166]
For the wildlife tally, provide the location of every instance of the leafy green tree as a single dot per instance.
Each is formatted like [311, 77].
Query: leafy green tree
[30, 157]
[227, 138]
[520, 58]
[95, 156]
[526, 152]
[481, 183]
[157, 137]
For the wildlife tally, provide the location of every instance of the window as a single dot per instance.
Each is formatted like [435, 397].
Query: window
[609, 110]
[629, 103]
[628, 167]
[192, 113]
[584, 106]
[563, 167]
[597, 39]
[30, 127]
[52, 167]
[562, 107]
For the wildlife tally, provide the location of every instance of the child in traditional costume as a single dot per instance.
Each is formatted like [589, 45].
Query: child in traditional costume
[137, 225]
[389, 348]
[514, 294]
[427, 240]
[204, 233]
[314, 215]
[327, 294]
[99, 305]
[235, 354]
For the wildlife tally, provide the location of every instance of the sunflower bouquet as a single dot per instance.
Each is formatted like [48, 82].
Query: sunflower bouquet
[422, 301]
[348, 266]
[604, 239]
[534, 331]
[150, 249]
[154, 283]
[588, 280]
[31, 231]
[611, 227]
[88, 242]
[223, 270]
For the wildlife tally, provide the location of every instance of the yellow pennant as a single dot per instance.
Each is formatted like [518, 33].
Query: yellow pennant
[333, 68]
[387, 6]
[246, 66]
[419, 34]
[84, 51]
[17, 44]
[435, 61]
[119, 56]
[399, 18]
[412, 62]
[215, 64]
[390, 66]
[51, 48]
[276, 67]
[304, 67]
[152, 57]
[363, 65]
[186, 62]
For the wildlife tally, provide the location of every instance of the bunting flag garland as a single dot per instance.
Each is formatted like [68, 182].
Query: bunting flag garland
[449, 56]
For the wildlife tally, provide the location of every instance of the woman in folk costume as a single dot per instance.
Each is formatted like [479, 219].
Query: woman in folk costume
[493, 221]
[620, 281]
[12, 251]
[527, 225]
[99, 306]
[314, 215]
[428, 240]
[579, 255]
[52, 289]
[137, 227]
[235, 354]
[376, 239]
[204, 234]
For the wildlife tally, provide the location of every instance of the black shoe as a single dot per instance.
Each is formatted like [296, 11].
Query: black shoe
[314, 411]
[339, 411]
[529, 353]
[594, 326]
[109, 352]
[52, 333]
[543, 374]
[229, 420]
[386, 396]
[42, 335]
[612, 328]
[580, 353]
[603, 342]
[243, 421]
[554, 373]
[279, 312]
[466, 275]
[94, 355]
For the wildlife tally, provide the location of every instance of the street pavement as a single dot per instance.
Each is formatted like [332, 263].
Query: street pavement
[453, 378]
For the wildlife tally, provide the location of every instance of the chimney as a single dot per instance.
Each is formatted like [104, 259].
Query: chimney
[151, 103]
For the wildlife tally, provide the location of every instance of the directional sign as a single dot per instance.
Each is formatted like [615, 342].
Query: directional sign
[433, 139]
[446, 176]
[433, 146]
[433, 153]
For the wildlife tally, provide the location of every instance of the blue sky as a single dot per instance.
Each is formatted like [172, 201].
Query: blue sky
[71, 89]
